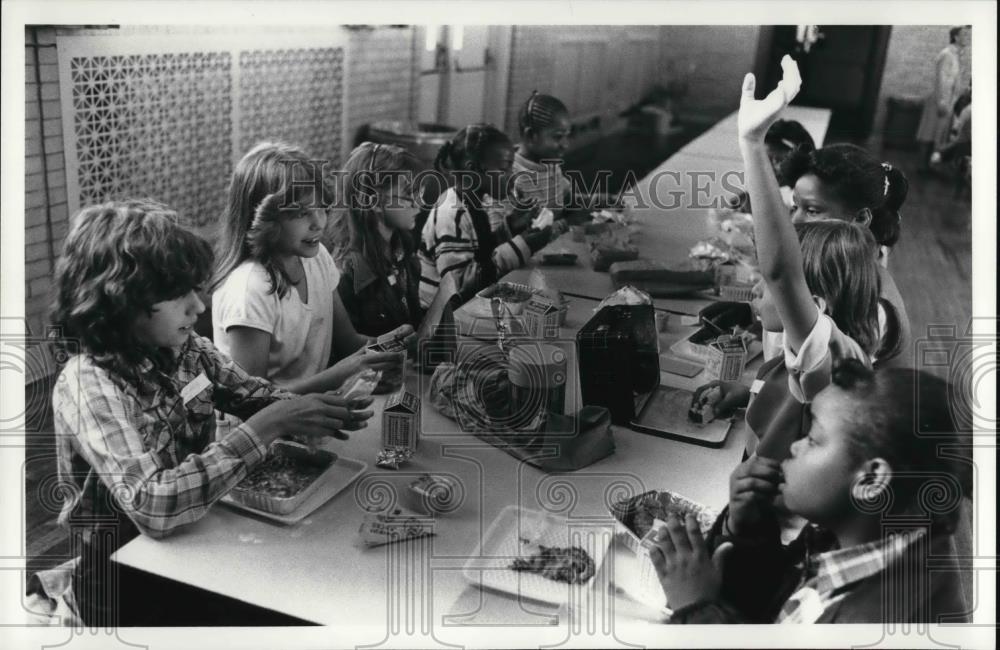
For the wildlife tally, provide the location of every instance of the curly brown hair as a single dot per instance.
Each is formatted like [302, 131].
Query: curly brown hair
[119, 259]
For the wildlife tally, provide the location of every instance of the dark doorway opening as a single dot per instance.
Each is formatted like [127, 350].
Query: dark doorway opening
[841, 71]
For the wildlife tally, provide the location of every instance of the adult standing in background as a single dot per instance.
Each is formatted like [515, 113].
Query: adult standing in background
[935, 122]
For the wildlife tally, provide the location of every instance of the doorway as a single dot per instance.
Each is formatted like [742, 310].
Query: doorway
[841, 69]
[464, 74]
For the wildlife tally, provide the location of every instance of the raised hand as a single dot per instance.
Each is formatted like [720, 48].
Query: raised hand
[757, 115]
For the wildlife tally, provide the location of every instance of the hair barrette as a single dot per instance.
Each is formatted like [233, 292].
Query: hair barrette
[885, 186]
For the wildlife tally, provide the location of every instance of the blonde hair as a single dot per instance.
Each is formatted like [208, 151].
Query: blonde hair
[838, 258]
[272, 180]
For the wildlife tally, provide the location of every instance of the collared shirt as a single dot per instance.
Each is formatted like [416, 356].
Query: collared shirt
[831, 575]
[148, 451]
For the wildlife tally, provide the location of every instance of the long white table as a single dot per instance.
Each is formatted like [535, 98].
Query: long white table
[315, 570]
[417, 591]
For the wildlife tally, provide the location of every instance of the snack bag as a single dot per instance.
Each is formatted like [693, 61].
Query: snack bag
[395, 525]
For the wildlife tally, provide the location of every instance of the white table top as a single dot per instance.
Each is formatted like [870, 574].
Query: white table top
[315, 571]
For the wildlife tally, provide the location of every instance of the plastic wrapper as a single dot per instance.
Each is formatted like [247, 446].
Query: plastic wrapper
[361, 384]
[392, 457]
[544, 219]
[434, 494]
[627, 295]
[395, 525]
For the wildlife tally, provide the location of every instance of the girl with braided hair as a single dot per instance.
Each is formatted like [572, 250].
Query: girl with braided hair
[459, 237]
[545, 130]
[275, 307]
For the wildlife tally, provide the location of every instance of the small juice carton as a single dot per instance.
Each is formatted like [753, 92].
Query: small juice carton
[727, 358]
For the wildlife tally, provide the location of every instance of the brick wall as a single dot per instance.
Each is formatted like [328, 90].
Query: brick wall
[381, 82]
[714, 58]
[45, 217]
[909, 64]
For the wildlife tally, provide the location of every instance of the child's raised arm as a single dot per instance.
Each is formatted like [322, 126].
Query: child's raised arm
[778, 252]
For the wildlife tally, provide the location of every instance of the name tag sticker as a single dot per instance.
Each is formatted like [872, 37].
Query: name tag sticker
[198, 384]
[756, 386]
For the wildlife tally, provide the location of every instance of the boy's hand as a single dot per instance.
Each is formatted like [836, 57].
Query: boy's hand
[734, 396]
[753, 486]
[309, 416]
[757, 115]
[680, 556]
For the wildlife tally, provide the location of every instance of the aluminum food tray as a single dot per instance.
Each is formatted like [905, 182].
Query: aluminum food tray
[649, 590]
[285, 505]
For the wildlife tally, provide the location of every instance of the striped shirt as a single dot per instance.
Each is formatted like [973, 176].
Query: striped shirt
[149, 451]
[545, 183]
[450, 243]
[831, 575]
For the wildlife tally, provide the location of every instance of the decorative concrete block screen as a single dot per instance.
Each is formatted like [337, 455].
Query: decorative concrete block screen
[166, 112]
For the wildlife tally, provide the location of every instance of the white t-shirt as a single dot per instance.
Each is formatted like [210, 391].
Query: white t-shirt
[301, 334]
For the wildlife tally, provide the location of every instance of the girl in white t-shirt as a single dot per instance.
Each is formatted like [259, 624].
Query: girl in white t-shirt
[275, 309]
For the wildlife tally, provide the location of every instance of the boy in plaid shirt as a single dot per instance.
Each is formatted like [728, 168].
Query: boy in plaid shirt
[135, 411]
[879, 547]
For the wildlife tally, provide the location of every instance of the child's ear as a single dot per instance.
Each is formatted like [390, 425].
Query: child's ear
[864, 217]
[872, 481]
[821, 303]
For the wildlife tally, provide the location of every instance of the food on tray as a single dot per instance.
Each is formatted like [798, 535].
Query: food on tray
[283, 476]
[702, 409]
[570, 564]
[396, 525]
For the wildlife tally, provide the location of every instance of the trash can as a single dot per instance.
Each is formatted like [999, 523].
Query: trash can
[901, 122]
[421, 139]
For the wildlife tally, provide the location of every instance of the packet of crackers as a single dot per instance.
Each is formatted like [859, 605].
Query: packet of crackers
[394, 524]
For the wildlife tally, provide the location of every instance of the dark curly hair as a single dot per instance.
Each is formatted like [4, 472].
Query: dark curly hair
[267, 184]
[119, 259]
[905, 417]
[539, 111]
[858, 181]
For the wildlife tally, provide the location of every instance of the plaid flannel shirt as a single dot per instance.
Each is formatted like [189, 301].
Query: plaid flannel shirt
[146, 451]
[831, 575]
